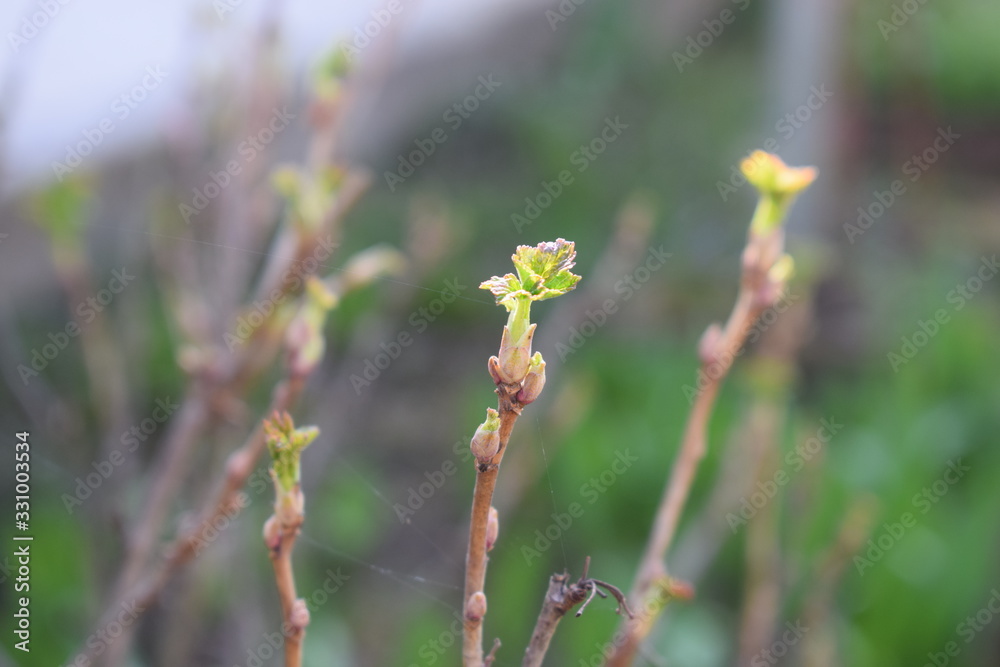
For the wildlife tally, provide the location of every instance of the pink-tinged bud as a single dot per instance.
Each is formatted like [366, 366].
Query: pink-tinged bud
[534, 381]
[492, 528]
[494, 367]
[708, 346]
[239, 466]
[475, 609]
[272, 533]
[299, 615]
[515, 356]
[486, 442]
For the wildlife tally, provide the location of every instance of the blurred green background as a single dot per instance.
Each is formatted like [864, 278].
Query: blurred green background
[622, 390]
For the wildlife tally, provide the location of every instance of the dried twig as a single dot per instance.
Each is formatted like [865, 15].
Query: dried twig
[559, 600]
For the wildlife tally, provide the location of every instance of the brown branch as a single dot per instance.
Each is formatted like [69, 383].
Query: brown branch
[197, 410]
[475, 560]
[294, 612]
[719, 350]
[215, 385]
[559, 600]
[239, 466]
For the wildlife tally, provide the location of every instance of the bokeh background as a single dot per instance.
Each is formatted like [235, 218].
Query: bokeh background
[880, 338]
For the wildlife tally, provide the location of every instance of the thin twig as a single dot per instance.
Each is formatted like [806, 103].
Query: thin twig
[493, 652]
[196, 412]
[765, 269]
[294, 613]
[475, 561]
[239, 467]
[651, 581]
[519, 377]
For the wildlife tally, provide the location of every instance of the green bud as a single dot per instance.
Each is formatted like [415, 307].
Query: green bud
[285, 442]
[486, 441]
[543, 272]
[778, 185]
[304, 337]
[309, 196]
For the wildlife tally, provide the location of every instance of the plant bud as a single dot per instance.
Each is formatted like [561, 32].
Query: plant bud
[676, 588]
[534, 381]
[778, 185]
[492, 528]
[272, 533]
[486, 442]
[782, 269]
[494, 367]
[475, 609]
[299, 616]
[708, 346]
[515, 356]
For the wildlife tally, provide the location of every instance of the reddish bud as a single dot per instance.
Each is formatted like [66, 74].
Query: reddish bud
[272, 533]
[534, 381]
[492, 528]
[708, 346]
[475, 608]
